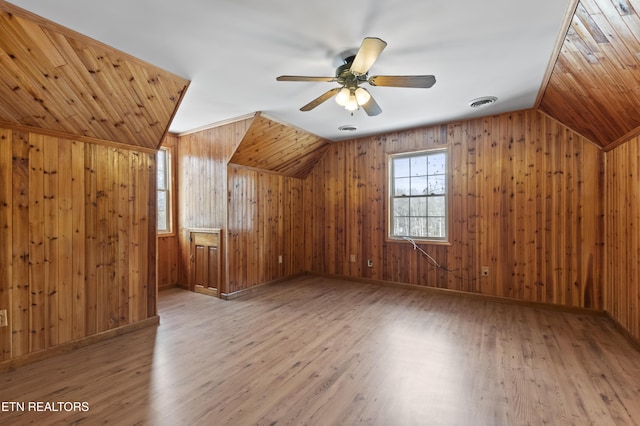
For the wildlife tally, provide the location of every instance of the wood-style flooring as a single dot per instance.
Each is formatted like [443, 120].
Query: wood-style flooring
[315, 351]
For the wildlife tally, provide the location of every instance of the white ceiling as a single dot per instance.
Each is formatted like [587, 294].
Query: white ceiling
[233, 50]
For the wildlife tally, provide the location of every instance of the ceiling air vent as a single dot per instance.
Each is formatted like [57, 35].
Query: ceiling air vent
[348, 128]
[482, 102]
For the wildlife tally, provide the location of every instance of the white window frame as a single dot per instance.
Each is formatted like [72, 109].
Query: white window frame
[164, 187]
[392, 198]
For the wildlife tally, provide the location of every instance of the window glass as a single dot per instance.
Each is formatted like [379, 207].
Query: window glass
[402, 167]
[164, 194]
[418, 195]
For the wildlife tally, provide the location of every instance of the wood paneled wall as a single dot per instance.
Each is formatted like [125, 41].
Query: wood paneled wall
[167, 261]
[526, 201]
[265, 222]
[258, 212]
[622, 292]
[77, 240]
[202, 159]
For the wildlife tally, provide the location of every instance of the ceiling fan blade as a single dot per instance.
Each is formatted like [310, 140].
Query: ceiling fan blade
[320, 99]
[371, 107]
[369, 51]
[420, 81]
[304, 78]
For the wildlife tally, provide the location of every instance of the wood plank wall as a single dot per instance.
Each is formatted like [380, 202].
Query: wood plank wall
[77, 240]
[265, 222]
[526, 200]
[202, 159]
[622, 292]
[168, 243]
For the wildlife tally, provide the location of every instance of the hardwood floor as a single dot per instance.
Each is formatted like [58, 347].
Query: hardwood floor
[319, 351]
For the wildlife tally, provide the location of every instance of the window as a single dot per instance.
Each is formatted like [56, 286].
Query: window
[418, 195]
[164, 191]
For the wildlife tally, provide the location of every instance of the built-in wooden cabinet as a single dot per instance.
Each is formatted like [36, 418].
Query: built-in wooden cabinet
[206, 264]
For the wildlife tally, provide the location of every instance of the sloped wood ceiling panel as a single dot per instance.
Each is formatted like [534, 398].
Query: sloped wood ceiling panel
[595, 85]
[276, 147]
[54, 79]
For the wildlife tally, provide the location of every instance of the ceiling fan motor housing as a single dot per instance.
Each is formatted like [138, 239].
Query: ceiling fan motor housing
[345, 77]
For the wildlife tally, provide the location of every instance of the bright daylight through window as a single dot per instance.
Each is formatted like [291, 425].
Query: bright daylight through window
[164, 194]
[418, 195]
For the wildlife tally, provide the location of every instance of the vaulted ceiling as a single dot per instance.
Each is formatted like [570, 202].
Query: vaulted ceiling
[54, 78]
[233, 50]
[595, 85]
[279, 148]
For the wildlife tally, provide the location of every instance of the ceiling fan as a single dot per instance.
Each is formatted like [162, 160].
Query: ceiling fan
[353, 73]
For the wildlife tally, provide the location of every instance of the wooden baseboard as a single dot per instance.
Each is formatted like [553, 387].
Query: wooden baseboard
[536, 305]
[633, 339]
[167, 287]
[77, 344]
[257, 288]
[208, 291]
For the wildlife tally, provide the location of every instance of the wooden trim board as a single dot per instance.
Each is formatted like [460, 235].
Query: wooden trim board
[77, 344]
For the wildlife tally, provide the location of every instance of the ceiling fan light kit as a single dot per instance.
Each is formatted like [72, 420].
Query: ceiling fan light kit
[362, 95]
[351, 99]
[353, 73]
[343, 96]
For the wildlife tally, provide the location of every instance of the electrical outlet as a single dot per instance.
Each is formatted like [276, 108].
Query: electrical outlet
[485, 271]
[280, 259]
[4, 321]
[352, 258]
[370, 263]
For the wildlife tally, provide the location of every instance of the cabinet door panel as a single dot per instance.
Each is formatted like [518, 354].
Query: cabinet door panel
[205, 262]
[201, 267]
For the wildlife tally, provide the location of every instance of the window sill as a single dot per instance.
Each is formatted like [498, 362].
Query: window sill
[418, 242]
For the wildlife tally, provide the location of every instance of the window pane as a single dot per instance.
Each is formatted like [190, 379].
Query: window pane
[419, 166]
[162, 211]
[401, 167]
[437, 227]
[419, 185]
[401, 207]
[436, 185]
[161, 160]
[402, 186]
[161, 156]
[401, 226]
[419, 226]
[437, 206]
[418, 206]
[437, 163]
